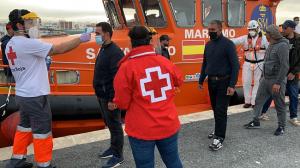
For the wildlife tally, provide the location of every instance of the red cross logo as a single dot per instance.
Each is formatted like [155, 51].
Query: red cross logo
[12, 55]
[155, 84]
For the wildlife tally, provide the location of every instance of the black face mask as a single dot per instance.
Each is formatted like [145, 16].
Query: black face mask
[213, 35]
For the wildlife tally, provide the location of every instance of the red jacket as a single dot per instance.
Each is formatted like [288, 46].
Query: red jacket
[145, 87]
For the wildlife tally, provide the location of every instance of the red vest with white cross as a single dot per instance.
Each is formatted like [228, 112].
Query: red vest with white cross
[145, 87]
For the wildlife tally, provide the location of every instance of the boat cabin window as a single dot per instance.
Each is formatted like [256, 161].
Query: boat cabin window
[211, 10]
[111, 13]
[184, 12]
[153, 13]
[65, 77]
[236, 13]
[129, 12]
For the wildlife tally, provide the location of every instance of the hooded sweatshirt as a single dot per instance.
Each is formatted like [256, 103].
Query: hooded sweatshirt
[276, 64]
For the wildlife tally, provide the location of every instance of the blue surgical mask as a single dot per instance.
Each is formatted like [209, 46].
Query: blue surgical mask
[99, 40]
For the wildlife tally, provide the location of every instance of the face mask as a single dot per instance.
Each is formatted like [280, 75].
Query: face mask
[252, 33]
[99, 40]
[213, 35]
[33, 32]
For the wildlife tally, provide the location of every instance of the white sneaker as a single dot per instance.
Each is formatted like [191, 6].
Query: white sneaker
[295, 122]
[264, 117]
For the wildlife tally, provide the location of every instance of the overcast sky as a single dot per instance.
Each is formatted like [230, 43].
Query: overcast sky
[92, 10]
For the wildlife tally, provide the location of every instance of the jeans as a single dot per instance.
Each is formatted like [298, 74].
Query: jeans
[267, 105]
[143, 151]
[219, 102]
[112, 120]
[292, 91]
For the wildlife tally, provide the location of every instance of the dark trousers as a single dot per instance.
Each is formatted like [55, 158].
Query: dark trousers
[112, 120]
[143, 152]
[292, 91]
[219, 102]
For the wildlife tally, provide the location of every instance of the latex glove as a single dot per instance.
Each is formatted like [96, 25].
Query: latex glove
[84, 37]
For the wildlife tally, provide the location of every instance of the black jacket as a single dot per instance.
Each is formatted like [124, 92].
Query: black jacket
[220, 59]
[106, 67]
[294, 56]
[4, 40]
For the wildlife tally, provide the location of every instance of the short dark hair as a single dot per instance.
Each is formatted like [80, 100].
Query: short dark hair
[296, 18]
[217, 22]
[106, 27]
[139, 35]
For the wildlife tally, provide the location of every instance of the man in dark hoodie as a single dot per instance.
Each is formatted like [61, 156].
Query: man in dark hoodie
[4, 40]
[292, 88]
[274, 79]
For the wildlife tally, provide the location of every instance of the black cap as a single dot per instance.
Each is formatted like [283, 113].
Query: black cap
[289, 23]
[16, 14]
[139, 33]
[164, 37]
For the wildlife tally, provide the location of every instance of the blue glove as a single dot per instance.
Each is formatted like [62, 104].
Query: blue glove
[84, 37]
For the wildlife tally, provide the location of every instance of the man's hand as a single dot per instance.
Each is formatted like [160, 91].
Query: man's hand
[201, 86]
[291, 76]
[230, 91]
[276, 88]
[112, 106]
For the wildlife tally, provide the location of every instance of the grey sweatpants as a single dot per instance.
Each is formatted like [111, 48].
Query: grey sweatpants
[263, 94]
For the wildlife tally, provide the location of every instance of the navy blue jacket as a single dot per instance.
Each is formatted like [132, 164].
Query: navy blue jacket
[4, 40]
[220, 59]
[106, 67]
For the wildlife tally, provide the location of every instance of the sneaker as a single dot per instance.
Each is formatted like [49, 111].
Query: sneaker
[113, 162]
[216, 144]
[252, 125]
[295, 122]
[247, 105]
[18, 163]
[264, 117]
[279, 131]
[211, 135]
[106, 154]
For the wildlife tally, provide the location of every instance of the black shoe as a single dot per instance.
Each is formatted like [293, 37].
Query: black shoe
[247, 105]
[216, 144]
[106, 154]
[279, 131]
[211, 135]
[113, 162]
[252, 125]
[18, 163]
